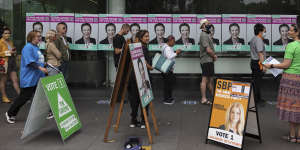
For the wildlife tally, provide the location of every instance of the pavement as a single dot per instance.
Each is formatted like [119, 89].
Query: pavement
[181, 126]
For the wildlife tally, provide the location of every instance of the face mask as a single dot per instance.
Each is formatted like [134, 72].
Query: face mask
[264, 35]
[207, 28]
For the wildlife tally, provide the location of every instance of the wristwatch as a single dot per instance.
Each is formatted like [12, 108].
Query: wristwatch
[272, 66]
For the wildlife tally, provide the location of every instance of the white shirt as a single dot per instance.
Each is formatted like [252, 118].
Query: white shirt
[168, 52]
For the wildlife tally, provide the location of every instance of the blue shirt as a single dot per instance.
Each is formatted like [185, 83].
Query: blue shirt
[29, 76]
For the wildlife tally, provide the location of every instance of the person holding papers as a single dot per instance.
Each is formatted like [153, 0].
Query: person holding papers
[288, 102]
[258, 56]
[169, 77]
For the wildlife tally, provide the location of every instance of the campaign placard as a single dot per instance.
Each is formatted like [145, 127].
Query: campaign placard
[107, 30]
[266, 20]
[141, 73]
[52, 92]
[65, 19]
[229, 112]
[137, 22]
[234, 29]
[159, 27]
[39, 22]
[215, 30]
[86, 32]
[184, 29]
[280, 27]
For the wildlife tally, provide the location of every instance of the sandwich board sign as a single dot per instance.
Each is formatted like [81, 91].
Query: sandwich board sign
[233, 114]
[52, 94]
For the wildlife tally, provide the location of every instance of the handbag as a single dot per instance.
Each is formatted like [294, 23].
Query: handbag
[162, 64]
[3, 66]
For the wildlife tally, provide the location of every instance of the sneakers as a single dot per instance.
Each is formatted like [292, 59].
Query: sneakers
[50, 115]
[6, 100]
[170, 101]
[134, 123]
[10, 120]
[143, 125]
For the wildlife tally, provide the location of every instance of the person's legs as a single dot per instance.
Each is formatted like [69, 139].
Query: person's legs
[204, 82]
[64, 69]
[25, 95]
[292, 132]
[257, 79]
[134, 101]
[2, 88]
[169, 80]
[210, 85]
[14, 79]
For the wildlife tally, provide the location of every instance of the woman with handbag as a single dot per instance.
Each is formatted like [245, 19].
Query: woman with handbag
[8, 65]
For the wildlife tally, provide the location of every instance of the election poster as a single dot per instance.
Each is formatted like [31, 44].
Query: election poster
[137, 22]
[280, 27]
[86, 32]
[229, 112]
[38, 22]
[234, 29]
[266, 20]
[107, 30]
[215, 30]
[141, 73]
[66, 21]
[159, 27]
[184, 29]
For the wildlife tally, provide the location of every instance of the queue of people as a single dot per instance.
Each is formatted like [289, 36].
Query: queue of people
[34, 66]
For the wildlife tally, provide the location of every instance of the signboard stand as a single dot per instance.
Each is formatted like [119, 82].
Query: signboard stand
[232, 98]
[121, 92]
[52, 92]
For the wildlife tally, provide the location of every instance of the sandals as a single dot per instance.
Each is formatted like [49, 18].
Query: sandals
[206, 102]
[291, 139]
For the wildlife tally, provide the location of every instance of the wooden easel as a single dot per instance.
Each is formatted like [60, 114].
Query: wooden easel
[121, 93]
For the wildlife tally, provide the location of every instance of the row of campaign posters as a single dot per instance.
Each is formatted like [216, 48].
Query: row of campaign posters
[230, 32]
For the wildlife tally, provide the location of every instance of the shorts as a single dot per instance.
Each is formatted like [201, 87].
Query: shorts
[208, 69]
[12, 65]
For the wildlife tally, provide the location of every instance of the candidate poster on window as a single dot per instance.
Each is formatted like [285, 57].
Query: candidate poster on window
[109, 26]
[229, 111]
[64, 21]
[141, 73]
[159, 27]
[266, 20]
[86, 32]
[137, 22]
[38, 22]
[184, 29]
[234, 29]
[215, 30]
[280, 27]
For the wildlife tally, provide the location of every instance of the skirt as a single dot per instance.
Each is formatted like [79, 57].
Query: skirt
[289, 98]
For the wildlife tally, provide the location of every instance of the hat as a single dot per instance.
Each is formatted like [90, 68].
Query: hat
[202, 21]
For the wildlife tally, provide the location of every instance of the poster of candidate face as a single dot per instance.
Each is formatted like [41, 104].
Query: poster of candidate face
[107, 31]
[215, 30]
[141, 73]
[266, 20]
[86, 32]
[229, 112]
[65, 22]
[234, 29]
[137, 22]
[184, 29]
[39, 22]
[280, 27]
[159, 27]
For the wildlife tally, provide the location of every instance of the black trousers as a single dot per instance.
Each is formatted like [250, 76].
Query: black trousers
[134, 98]
[257, 75]
[25, 95]
[169, 80]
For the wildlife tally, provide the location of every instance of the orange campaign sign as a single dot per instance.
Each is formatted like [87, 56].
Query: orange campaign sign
[229, 112]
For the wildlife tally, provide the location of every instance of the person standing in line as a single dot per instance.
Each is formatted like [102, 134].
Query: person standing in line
[258, 56]
[207, 59]
[9, 66]
[31, 70]
[53, 57]
[63, 46]
[169, 77]
[288, 102]
[119, 42]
